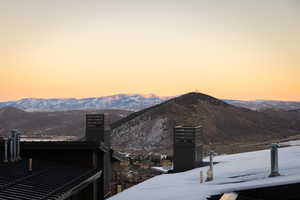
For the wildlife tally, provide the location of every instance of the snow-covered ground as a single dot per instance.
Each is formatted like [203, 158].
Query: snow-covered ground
[291, 143]
[162, 169]
[233, 172]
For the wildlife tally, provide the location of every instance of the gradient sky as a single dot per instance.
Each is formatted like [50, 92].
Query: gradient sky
[84, 48]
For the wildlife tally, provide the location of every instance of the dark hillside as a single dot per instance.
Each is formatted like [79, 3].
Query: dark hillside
[50, 123]
[223, 123]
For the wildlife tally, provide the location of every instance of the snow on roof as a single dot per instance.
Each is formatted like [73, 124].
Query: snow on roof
[162, 169]
[48, 138]
[233, 172]
[291, 143]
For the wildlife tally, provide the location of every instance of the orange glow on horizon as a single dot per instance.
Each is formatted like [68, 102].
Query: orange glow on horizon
[241, 51]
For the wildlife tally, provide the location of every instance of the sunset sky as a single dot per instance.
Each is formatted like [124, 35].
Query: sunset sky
[87, 48]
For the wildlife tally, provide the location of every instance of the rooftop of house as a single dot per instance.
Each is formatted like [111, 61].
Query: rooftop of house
[234, 172]
[45, 144]
[64, 145]
[47, 180]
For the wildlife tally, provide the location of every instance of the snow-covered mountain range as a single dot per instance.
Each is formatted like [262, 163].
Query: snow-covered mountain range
[133, 102]
[259, 105]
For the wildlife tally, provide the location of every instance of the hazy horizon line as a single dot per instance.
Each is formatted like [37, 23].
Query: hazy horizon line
[145, 95]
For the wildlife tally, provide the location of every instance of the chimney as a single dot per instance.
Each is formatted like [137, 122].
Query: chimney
[94, 128]
[187, 144]
[274, 160]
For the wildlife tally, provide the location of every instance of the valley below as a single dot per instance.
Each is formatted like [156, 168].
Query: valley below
[226, 128]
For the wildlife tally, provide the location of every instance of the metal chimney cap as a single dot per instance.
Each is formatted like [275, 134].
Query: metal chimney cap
[212, 153]
[275, 145]
[14, 130]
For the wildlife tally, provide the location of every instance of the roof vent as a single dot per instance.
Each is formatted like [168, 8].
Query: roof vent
[210, 172]
[5, 150]
[12, 147]
[274, 160]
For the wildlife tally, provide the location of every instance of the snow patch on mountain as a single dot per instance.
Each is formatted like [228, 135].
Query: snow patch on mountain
[131, 102]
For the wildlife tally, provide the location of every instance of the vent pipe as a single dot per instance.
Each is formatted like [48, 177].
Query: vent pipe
[210, 172]
[30, 164]
[18, 146]
[5, 150]
[14, 136]
[11, 149]
[274, 160]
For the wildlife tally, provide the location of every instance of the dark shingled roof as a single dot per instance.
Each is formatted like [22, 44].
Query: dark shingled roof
[47, 180]
[64, 145]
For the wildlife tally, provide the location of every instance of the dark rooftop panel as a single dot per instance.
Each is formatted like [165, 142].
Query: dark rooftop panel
[48, 180]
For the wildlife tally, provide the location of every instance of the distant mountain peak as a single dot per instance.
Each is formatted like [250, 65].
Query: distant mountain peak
[221, 122]
[188, 100]
[131, 102]
[193, 97]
